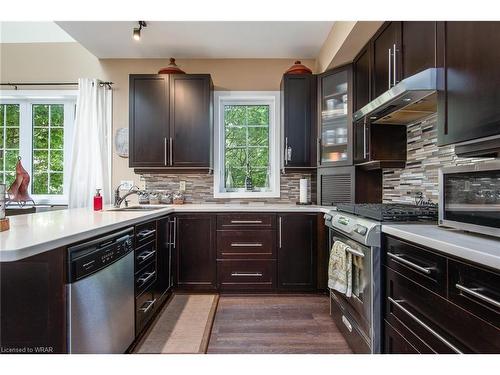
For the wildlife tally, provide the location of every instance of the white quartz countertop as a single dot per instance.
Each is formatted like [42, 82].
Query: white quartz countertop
[476, 248]
[32, 234]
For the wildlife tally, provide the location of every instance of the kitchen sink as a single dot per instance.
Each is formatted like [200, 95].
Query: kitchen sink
[136, 208]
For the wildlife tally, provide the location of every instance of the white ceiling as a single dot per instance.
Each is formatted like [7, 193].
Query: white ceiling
[163, 39]
[32, 32]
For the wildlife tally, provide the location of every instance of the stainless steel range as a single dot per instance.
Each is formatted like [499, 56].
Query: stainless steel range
[359, 227]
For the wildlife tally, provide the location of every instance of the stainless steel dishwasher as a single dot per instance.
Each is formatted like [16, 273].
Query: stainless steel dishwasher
[100, 291]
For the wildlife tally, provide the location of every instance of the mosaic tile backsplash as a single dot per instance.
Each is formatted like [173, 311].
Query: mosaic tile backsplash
[424, 159]
[199, 188]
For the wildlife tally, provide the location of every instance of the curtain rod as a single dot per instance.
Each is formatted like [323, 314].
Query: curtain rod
[15, 84]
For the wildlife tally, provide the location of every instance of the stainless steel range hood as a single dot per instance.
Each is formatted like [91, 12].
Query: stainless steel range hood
[412, 99]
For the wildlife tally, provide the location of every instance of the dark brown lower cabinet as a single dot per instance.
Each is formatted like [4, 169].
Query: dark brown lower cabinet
[33, 304]
[297, 249]
[195, 252]
[165, 247]
[446, 318]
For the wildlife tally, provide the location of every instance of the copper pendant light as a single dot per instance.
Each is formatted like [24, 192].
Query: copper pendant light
[298, 68]
[171, 68]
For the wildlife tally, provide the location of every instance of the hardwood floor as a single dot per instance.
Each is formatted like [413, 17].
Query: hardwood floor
[275, 324]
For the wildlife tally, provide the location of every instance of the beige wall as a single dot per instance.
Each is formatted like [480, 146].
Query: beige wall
[66, 62]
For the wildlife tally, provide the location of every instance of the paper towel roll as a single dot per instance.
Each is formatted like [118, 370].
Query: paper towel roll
[303, 190]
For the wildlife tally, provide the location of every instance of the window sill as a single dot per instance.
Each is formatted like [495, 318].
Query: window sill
[247, 194]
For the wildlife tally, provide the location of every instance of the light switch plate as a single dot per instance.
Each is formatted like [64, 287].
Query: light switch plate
[182, 186]
[126, 184]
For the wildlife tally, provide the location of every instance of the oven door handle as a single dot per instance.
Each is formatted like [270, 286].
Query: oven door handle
[355, 252]
[349, 248]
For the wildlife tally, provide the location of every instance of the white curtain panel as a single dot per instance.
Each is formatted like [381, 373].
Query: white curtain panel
[91, 160]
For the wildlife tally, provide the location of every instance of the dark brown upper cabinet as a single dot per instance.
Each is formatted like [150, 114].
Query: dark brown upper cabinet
[298, 116]
[170, 121]
[468, 96]
[361, 77]
[335, 117]
[148, 120]
[386, 49]
[379, 146]
[399, 50]
[418, 46]
[297, 249]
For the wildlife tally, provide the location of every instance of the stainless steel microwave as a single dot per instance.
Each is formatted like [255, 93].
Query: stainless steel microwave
[469, 197]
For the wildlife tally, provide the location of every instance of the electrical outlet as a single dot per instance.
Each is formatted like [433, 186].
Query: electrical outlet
[182, 186]
[126, 184]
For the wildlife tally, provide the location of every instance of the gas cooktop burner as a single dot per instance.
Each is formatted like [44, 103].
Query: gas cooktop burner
[394, 212]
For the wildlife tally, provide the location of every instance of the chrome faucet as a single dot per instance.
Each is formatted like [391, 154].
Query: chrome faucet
[119, 200]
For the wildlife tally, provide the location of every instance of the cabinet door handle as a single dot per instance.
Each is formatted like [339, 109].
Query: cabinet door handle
[246, 274]
[286, 150]
[398, 258]
[279, 232]
[171, 151]
[394, 78]
[246, 221]
[149, 305]
[390, 68]
[482, 297]
[165, 151]
[318, 151]
[397, 303]
[365, 141]
[175, 232]
[235, 244]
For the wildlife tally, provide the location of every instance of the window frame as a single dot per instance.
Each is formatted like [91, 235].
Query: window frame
[26, 99]
[270, 98]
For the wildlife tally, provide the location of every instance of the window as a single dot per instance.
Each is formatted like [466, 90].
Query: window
[37, 126]
[246, 145]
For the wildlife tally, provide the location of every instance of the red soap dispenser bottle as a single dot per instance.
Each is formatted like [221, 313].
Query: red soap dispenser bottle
[98, 200]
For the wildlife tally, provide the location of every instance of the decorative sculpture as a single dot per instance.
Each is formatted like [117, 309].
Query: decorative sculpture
[18, 191]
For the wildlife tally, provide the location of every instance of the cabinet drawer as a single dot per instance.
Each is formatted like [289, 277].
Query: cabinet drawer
[246, 274]
[145, 278]
[144, 255]
[144, 233]
[144, 310]
[395, 343]
[246, 244]
[423, 312]
[246, 221]
[422, 266]
[476, 290]
[442, 325]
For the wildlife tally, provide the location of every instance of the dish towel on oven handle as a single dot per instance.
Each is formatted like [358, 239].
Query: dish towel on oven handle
[340, 269]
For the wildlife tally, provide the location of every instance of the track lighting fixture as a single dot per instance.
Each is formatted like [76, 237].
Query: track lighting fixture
[137, 30]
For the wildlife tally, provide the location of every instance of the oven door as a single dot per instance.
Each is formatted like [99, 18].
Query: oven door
[470, 198]
[359, 305]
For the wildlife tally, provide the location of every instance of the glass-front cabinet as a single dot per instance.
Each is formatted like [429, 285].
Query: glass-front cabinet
[335, 118]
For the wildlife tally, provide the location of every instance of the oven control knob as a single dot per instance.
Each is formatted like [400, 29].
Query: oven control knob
[360, 230]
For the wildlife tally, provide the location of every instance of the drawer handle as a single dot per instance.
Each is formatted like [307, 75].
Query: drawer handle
[145, 255]
[423, 325]
[347, 323]
[473, 292]
[143, 280]
[148, 307]
[397, 257]
[246, 221]
[243, 274]
[234, 244]
[146, 233]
